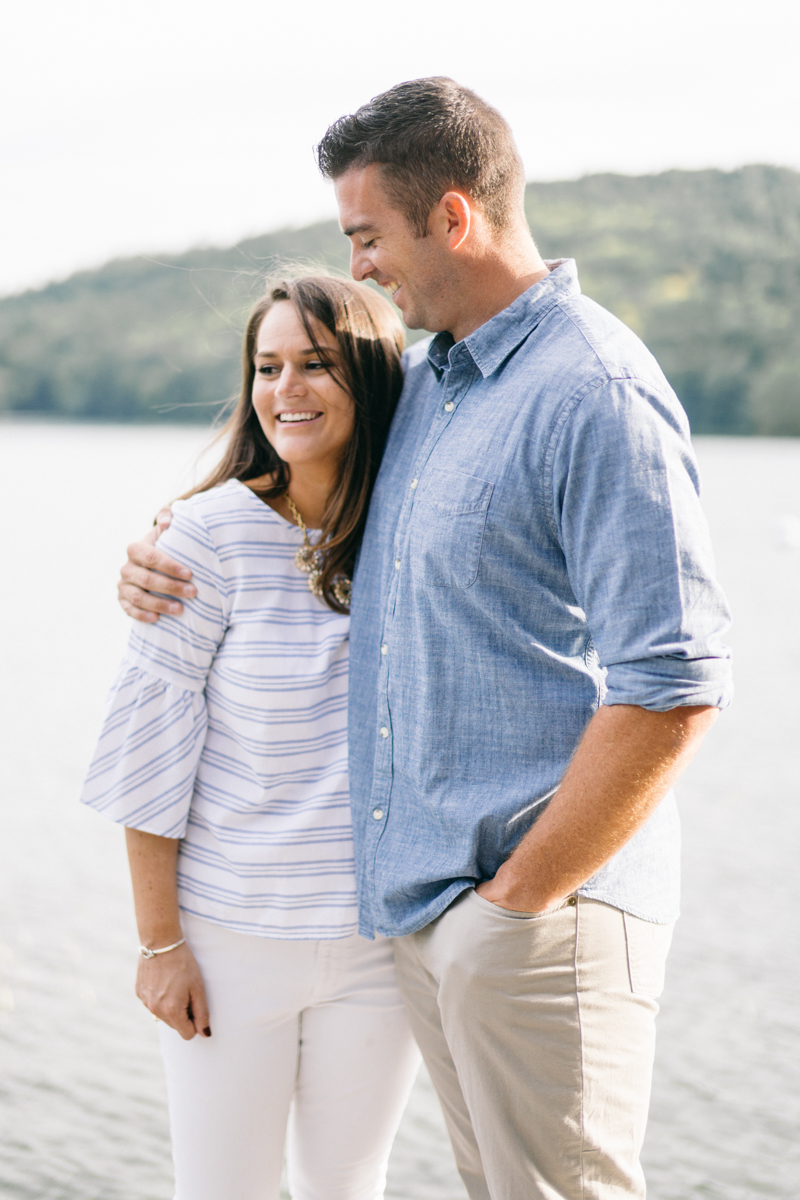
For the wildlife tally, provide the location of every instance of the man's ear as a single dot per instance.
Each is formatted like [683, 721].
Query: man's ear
[452, 218]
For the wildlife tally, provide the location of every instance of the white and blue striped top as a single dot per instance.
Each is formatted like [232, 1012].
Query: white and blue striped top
[227, 727]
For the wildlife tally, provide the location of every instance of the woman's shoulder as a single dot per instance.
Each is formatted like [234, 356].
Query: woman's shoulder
[232, 520]
[229, 501]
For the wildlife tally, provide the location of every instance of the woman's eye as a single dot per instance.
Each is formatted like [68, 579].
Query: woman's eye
[267, 369]
[316, 364]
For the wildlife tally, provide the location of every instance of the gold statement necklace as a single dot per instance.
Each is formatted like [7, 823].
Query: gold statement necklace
[309, 560]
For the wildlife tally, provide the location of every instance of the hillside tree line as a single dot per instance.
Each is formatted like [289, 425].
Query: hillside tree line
[704, 265]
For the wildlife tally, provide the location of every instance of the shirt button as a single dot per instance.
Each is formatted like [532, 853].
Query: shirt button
[384, 649]
[449, 406]
[377, 814]
[414, 483]
[397, 564]
[383, 731]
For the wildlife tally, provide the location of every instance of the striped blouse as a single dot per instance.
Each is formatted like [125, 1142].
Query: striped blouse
[227, 727]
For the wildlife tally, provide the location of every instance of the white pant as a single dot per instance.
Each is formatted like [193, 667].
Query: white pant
[309, 1034]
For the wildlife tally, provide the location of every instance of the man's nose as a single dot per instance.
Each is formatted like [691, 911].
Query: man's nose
[360, 266]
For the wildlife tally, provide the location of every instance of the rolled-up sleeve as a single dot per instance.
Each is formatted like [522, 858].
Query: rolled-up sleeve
[637, 548]
[144, 767]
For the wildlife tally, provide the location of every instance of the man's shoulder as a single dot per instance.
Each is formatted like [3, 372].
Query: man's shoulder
[603, 373]
[597, 346]
[419, 376]
[416, 356]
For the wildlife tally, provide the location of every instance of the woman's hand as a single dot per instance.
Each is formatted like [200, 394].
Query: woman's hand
[169, 984]
[171, 987]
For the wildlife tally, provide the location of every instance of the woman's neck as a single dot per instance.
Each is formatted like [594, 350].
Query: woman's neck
[309, 490]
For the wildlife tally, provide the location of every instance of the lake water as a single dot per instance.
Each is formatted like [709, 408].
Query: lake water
[82, 1101]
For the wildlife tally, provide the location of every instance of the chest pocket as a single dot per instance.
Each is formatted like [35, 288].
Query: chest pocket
[447, 528]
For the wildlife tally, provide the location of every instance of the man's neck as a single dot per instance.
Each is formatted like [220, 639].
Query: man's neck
[494, 281]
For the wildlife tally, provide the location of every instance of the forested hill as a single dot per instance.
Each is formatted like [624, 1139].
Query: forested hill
[705, 265]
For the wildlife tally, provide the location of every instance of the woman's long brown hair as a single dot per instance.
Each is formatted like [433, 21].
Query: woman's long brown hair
[370, 338]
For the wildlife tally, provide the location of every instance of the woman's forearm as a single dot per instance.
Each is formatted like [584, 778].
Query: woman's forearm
[153, 862]
[170, 985]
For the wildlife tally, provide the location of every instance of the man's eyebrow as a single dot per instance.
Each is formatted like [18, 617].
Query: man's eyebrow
[365, 228]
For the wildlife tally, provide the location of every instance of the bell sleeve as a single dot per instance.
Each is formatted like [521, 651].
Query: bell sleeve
[143, 770]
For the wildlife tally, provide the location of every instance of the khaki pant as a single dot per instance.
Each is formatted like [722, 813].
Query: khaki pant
[538, 1032]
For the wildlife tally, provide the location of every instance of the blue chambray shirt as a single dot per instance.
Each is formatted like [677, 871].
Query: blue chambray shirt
[535, 547]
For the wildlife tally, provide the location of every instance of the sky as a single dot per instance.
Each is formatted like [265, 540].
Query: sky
[155, 126]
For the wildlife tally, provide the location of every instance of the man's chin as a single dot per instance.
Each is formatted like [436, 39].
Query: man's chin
[411, 318]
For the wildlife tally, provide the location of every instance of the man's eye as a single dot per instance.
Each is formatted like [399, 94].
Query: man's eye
[368, 245]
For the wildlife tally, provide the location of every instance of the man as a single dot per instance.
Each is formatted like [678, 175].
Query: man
[534, 658]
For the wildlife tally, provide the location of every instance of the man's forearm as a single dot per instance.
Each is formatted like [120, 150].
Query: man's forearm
[626, 762]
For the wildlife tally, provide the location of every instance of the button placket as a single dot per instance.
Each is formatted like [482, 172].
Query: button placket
[444, 404]
[448, 406]
[457, 383]
[382, 780]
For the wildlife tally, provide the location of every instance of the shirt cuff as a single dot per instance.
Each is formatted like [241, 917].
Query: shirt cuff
[660, 684]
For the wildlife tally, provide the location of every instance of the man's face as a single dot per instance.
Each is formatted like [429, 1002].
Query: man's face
[383, 247]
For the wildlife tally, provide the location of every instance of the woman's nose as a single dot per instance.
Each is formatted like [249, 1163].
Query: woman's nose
[291, 381]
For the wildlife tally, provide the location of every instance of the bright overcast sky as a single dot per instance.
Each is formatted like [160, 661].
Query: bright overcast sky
[160, 124]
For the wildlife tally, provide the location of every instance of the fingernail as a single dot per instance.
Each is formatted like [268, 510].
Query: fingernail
[174, 608]
[207, 1031]
[189, 590]
[184, 573]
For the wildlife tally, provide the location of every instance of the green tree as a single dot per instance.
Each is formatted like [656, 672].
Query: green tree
[704, 265]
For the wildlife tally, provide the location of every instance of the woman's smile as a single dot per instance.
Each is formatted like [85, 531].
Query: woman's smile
[297, 417]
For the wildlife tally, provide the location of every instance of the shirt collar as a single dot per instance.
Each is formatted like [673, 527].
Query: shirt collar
[492, 342]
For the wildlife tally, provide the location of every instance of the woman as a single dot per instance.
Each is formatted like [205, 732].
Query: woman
[224, 753]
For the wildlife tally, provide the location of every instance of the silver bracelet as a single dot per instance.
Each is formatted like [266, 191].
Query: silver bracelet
[145, 953]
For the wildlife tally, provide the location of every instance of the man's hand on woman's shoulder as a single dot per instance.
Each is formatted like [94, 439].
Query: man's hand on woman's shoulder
[148, 570]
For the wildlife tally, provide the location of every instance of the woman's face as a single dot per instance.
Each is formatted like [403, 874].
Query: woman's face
[306, 415]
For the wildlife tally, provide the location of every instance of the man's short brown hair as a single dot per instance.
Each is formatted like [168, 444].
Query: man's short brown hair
[430, 136]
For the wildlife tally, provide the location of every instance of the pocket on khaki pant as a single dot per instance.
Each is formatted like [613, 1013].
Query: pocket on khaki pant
[648, 945]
